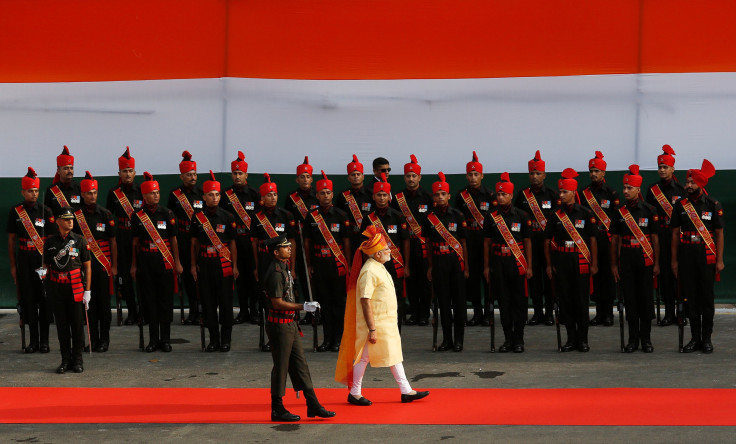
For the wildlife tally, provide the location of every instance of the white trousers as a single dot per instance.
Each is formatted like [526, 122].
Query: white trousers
[359, 370]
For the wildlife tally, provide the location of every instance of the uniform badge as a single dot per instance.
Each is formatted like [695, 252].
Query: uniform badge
[137, 203]
[100, 227]
[161, 225]
[313, 207]
[250, 205]
[392, 229]
[452, 226]
[516, 226]
[197, 204]
[643, 222]
[335, 228]
[423, 208]
[74, 252]
[579, 223]
[365, 206]
[605, 203]
[220, 228]
[720, 212]
[484, 206]
[40, 223]
[546, 204]
[279, 227]
[675, 199]
[707, 215]
[75, 199]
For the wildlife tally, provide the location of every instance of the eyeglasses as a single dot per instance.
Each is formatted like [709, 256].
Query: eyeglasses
[385, 170]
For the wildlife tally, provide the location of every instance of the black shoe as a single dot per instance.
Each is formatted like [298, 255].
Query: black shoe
[44, 348]
[362, 401]
[225, 348]
[707, 346]
[631, 347]
[506, 347]
[647, 347]
[487, 321]
[77, 368]
[30, 349]
[285, 416]
[446, 345]
[477, 320]
[151, 347]
[131, 320]
[414, 397]
[86, 348]
[568, 347]
[325, 346]
[692, 346]
[212, 347]
[411, 321]
[536, 319]
[549, 320]
[242, 318]
[583, 347]
[519, 348]
[255, 319]
[165, 347]
[319, 412]
[423, 322]
[667, 320]
[458, 347]
[335, 347]
[608, 321]
[62, 368]
[597, 320]
[102, 347]
[266, 347]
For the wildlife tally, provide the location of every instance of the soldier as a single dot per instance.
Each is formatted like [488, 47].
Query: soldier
[662, 196]
[572, 261]
[602, 199]
[283, 333]
[28, 223]
[327, 242]
[697, 254]
[475, 201]
[155, 260]
[124, 200]
[393, 226]
[356, 200]
[634, 259]
[214, 264]
[66, 258]
[538, 200]
[414, 203]
[64, 190]
[445, 230]
[184, 201]
[242, 201]
[97, 225]
[507, 263]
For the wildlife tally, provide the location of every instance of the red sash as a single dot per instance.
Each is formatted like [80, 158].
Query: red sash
[535, 208]
[156, 238]
[406, 211]
[124, 202]
[238, 207]
[354, 209]
[184, 203]
[300, 205]
[510, 242]
[342, 263]
[570, 228]
[395, 253]
[266, 224]
[59, 196]
[646, 246]
[662, 200]
[472, 207]
[222, 249]
[595, 206]
[30, 229]
[93, 245]
[702, 230]
[448, 238]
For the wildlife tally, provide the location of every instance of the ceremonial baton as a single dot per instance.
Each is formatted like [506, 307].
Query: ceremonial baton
[315, 319]
[621, 313]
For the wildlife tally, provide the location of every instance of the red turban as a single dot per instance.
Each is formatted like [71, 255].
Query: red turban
[149, 185]
[666, 158]
[211, 185]
[441, 185]
[125, 161]
[88, 183]
[239, 164]
[267, 186]
[324, 183]
[382, 185]
[64, 158]
[187, 165]
[568, 181]
[413, 166]
[355, 165]
[537, 164]
[597, 162]
[304, 167]
[701, 176]
[633, 178]
[30, 180]
[474, 165]
[505, 184]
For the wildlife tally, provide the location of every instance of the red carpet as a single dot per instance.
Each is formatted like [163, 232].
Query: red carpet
[612, 406]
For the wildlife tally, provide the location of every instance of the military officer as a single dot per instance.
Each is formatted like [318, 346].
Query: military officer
[64, 190]
[380, 166]
[356, 200]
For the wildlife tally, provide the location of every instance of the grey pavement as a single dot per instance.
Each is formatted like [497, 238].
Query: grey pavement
[541, 366]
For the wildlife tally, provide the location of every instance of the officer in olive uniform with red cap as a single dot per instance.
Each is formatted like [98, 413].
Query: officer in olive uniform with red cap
[662, 196]
[184, 201]
[475, 201]
[29, 223]
[242, 201]
[539, 200]
[445, 231]
[414, 203]
[508, 259]
[64, 190]
[155, 260]
[697, 254]
[327, 243]
[635, 259]
[97, 225]
[214, 264]
[393, 226]
[123, 200]
[356, 200]
[602, 199]
[572, 261]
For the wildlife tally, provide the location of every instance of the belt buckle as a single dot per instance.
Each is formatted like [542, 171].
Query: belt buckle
[634, 242]
[505, 250]
[325, 251]
[210, 249]
[569, 244]
[444, 248]
[694, 238]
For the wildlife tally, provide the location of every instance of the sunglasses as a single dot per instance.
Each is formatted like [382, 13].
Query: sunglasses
[385, 170]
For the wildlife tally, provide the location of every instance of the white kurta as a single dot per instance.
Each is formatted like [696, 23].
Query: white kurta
[375, 283]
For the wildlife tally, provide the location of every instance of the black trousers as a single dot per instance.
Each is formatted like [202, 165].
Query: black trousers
[187, 280]
[331, 294]
[539, 284]
[449, 289]
[573, 290]
[637, 284]
[666, 279]
[475, 281]
[697, 281]
[216, 292]
[418, 289]
[288, 358]
[69, 321]
[36, 314]
[99, 306]
[156, 286]
[125, 280]
[508, 288]
[603, 283]
[246, 285]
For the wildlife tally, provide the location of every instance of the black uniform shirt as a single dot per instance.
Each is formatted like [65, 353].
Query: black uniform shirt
[393, 222]
[673, 191]
[607, 198]
[65, 253]
[646, 218]
[165, 222]
[71, 191]
[419, 202]
[194, 196]
[339, 225]
[453, 220]
[249, 199]
[135, 198]
[43, 221]
[484, 200]
[364, 199]
[582, 218]
[223, 223]
[100, 221]
[310, 201]
[281, 220]
[546, 198]
[709, 210]
[517, 221]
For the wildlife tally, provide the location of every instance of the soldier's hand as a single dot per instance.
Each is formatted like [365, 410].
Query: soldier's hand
[674, 267]
[193, 271]
[255, 275]
[487, 274]
[132, 272]
[594, 270]
[115, 270]
[429, 274]
[466, 273]
[12, 273]
[406, 271]
[614, 272]
[529, 273]
[655, 270]
[720, 265]
[179, 268]
[236, 272]
[550, 272]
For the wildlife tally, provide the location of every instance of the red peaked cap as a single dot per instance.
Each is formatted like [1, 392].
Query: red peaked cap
[441, 185]
[149, 185]
[125, 161]
[474, 165]
[324, 182]
[239, 164]
[187, 165]
[701, 176]
[537, 164]
[597, 162]
[304, 167]
[64, 158]
[88, 183]
[30, 180]
[505, 184]
[633, 178]
[568, 182]
[413, 166]
[211, 185]
[355, 165]
[267, 186]
[382, 185]
[666, 158]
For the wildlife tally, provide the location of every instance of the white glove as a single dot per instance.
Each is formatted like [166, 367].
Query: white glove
[86, 298]
[311, 307]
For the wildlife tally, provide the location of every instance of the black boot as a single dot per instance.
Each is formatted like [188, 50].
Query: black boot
[314, 408]
[279, 413]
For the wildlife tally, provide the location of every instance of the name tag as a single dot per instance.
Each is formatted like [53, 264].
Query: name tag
[161, 225]
[197, 204]
[75, 199]
[546, 204]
